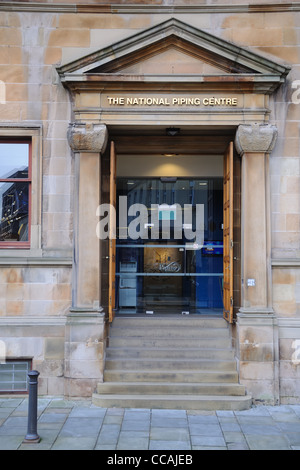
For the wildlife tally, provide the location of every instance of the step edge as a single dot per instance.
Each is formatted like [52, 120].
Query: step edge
[175, 397]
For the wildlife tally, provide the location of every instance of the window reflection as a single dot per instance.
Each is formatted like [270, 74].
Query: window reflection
[14, 192]
[14, 211]
[14, 160]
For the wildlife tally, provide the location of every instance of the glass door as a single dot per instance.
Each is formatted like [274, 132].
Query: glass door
[169, 248]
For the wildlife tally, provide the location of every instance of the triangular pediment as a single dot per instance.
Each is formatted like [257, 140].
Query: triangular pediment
[173, 61]
[176, 50]
[170, 49]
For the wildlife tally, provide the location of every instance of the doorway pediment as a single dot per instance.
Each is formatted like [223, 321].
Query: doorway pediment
[174, 52]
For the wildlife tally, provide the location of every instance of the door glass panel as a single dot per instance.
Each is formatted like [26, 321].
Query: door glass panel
[169, 256]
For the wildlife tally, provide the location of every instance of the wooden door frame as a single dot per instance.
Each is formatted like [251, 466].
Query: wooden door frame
[228, 235]
[112, 235]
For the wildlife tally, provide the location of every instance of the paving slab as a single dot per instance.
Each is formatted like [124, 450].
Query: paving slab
[52, 418]
[79, 425]
[237, 446]
[10, 442]
[12, 402]
[208, 441]
[112, 419]
[230, 426]
[169, 413]
[158, 421]
[205, 430]
[72, 443]
[109, 434]
[267, 442]
[138, 443]
[138, 440]
[5, 412]
[135, 425]
[169, 434]
[169, 445]
[234, 437]
[85, 412]
[261, 429]
[203, 419]
[210, 448]
[293, 438]
[105, 447]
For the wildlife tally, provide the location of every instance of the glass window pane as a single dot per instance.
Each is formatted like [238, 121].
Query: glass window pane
[13, 376]
[14, 158]
[14, 211]
[21, 366]
[163, 270]
[6, 376]
[7, 366]
[20, 376]
[6, 387]
[19, 386]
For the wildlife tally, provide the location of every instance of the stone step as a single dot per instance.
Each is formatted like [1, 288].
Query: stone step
[181, 362]
[169, 332]
[170, 388]
[169, 353]
[170, 364]
[182, 343]
[184, 376]
[200, 402]
[170, 320]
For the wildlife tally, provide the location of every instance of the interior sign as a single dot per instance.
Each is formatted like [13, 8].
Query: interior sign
[171, 101]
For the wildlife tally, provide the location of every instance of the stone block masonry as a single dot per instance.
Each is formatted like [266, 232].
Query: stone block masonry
[51, 302]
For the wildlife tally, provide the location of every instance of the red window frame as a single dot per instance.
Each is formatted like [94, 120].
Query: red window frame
[20, 244]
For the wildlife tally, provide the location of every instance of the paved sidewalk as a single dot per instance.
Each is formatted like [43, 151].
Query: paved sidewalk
[78, 425]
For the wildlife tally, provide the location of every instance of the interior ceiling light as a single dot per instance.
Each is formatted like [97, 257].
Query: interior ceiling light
[172, 131]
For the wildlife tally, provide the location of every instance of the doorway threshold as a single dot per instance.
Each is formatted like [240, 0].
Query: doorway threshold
[170, 312]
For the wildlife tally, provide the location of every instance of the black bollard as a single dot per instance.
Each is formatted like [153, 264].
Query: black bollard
[32, 436]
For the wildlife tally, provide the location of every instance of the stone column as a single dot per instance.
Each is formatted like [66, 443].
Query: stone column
[85, 327]
[256, 323]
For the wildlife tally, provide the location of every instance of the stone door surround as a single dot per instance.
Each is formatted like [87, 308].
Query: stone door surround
[254, 142]
[104, 96]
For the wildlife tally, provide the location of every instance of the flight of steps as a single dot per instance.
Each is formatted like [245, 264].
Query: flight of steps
[177, 362]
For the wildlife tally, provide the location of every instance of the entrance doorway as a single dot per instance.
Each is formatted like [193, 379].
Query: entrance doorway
[154, 265]
[167, 269]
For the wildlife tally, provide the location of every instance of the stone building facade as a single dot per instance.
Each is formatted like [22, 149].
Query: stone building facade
[75, 77]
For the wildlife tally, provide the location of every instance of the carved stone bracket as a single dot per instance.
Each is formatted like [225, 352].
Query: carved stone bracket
[84, 137]
[255, 138]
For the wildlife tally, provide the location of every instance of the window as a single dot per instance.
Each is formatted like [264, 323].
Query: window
[15, 193]
[13, 376]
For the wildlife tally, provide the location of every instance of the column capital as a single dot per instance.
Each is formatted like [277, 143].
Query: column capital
[84, 137]
[255, 138]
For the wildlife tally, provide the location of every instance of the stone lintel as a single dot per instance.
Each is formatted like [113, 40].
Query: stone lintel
[255, 138]
[87, 137]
